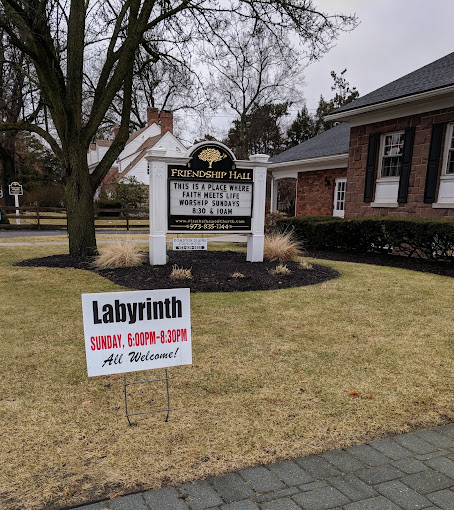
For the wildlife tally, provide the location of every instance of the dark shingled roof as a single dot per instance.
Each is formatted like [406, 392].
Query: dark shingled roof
[433, 76]
[329, 143]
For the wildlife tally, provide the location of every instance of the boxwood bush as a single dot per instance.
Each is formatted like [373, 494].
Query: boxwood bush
[421, 237]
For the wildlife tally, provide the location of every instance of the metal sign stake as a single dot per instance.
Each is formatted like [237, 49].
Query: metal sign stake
[167, 410]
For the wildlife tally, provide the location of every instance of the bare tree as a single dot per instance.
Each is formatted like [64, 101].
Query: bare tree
[64, 38]
[12, 80]
[251, 67]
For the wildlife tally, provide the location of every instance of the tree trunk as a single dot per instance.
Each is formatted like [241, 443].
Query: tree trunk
[7, 153]
[80, 208]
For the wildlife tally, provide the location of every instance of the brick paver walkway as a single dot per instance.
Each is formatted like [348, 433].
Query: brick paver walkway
[407, 472]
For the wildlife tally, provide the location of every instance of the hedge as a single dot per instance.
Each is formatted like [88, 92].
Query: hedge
[421, 237]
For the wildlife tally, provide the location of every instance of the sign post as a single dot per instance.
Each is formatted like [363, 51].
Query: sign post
[16, 189]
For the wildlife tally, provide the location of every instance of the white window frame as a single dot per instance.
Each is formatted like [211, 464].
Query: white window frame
[448, 142]
[445, 198]
[339, 212]
[386, 188]
[382, 156]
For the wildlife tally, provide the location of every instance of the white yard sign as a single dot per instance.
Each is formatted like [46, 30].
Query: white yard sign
[189, 243]
[137, 330]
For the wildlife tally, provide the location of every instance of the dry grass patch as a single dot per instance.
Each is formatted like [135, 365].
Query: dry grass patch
[280, 269]
[119, 254]
[180, 273]
[304, 264]
[281, 246]
[377, 331]
[237, 274]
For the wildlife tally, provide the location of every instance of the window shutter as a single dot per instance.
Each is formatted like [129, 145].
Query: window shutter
[370, 167]
[433, 163]
[409, 140]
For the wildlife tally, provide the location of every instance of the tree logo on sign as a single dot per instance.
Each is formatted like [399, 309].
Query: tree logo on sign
[211, 156]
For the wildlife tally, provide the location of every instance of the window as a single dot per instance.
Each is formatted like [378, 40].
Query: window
[446, 181]
[392, 145]
[448, 164]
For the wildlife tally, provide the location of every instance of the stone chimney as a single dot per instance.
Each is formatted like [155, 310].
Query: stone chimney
[116, 129]
[152, 116]
[166, 121]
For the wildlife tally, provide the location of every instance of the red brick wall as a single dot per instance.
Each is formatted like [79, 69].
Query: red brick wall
[313, 197]
[359, 139]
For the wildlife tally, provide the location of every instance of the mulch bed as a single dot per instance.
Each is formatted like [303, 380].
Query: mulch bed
[212, 270]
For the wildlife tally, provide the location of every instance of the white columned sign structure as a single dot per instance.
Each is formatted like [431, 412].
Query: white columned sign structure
[207, 191]
[158, 161]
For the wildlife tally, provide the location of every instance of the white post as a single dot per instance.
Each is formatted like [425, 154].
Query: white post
[16, 204]
[158, 194]
[256, 240]
[158, 206]
[274, 189]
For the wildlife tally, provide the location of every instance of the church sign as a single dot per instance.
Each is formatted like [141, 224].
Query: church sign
[209, 193]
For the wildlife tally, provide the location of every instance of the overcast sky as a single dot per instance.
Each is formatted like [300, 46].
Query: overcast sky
[394, 37]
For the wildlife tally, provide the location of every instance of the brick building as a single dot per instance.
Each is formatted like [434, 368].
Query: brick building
[392, 153]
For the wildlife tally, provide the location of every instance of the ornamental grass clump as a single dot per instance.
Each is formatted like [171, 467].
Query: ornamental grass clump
[281, 246]
[119, 254]
[304, 264]
[281, 269]
[179, 273]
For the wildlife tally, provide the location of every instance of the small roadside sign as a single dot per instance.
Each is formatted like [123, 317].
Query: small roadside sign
[16, 189]
[189, 243]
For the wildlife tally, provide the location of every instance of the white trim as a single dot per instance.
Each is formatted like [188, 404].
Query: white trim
[399, 107]
[340, 213]
[292, 168]
[441, 205]
[384, 204]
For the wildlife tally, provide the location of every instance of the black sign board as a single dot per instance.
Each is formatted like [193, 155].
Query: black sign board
[210, 193]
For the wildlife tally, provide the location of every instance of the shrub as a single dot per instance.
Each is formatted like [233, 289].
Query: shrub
[281, 246]
[179, 273]
[421, 237]
[108, 203]
[130, 192]
[50, 195]
[119, 254]
[3, 219]
[271, 222]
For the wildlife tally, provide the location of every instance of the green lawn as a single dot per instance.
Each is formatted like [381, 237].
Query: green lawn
[271, 379]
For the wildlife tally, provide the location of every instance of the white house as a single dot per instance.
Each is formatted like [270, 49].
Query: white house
[158, 134]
